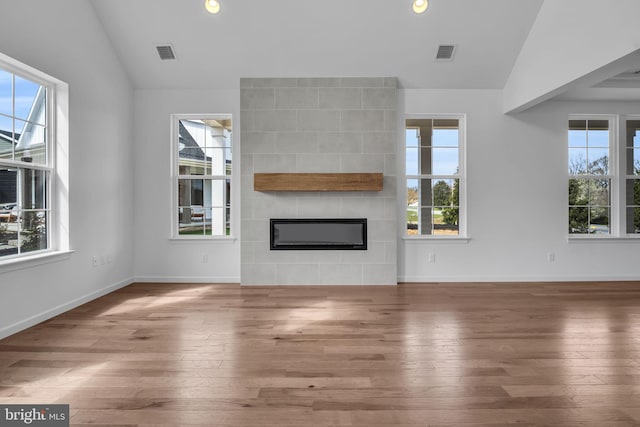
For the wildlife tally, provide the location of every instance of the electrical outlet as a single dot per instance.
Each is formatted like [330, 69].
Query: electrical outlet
[551, 256]
[432, 258]
[94, 261]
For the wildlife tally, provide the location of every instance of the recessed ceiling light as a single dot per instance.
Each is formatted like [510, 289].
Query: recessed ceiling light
[212, 6]
[420, 6]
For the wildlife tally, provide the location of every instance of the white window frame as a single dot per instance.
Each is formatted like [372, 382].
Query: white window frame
[175, 177]
[624, 176]
[463, 233]
[57, 144]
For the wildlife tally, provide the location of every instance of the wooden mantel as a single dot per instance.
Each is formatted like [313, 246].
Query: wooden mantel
[317, 182]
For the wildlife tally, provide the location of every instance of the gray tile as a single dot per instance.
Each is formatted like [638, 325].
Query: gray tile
[255, 230]
[274, 120]
[380, 274]
[363, 120]
[390, 164]
[246, 253]
[381, 230]
[296, 274]
[296, 97]
[275, 205]
[246, 162]
[257, 98]
[341, 274]
[318, 163]
[318, 207]
[379, 98]
[340, 98]
[358, 207]
[318, 120]
[296, 142]
[391, 82]
[258, 142]
[274, 163]
[338, 142]
[390, 252]
[366, 163]
[319, 82]
[258, 274]
[246, 82]
[362, 82]
[246, 120]
[379, 142]
[391, 120]
[263, 255]
[275, 82]
[318, 257]
[373, 255]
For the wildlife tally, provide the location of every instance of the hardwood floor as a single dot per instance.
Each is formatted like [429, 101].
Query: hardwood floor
[536, 354]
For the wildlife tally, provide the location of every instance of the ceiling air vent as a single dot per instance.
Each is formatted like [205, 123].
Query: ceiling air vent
[166, 52]
[445, 52]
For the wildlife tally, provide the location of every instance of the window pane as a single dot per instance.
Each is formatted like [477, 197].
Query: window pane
[442, 191]
[8, 231]
[633, 161]
[599, 220]
[217, 161]
[633, 192]
[190, 192]
[33, 234]
[34, 189]
[6, 138]
[412, 206]
[8, 187]
[577, 138]
[445, 161]
[578, 220]
[411, 137]
[598, 161]
[426, 221]
[412, 161]
[633, 134]
[445, 220]
[191, 161]
[215, 192]
[633, 220]
[26, 94]
[6, 93]
[31, 146]
[599, 192]
[426, 193]
[445, 137]
[577, 161]
[598, 138]
[578, 192]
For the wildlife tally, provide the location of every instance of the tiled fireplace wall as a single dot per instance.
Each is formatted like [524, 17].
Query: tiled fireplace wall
[318, 125]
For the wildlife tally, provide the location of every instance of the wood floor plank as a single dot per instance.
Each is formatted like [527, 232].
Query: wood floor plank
[454, 354]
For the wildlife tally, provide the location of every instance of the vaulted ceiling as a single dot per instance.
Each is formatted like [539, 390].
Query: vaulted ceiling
[304, 38]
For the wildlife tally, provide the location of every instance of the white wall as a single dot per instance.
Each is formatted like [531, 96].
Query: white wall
[157, 257]
[65, 40]
[571, 40]
[517, 197]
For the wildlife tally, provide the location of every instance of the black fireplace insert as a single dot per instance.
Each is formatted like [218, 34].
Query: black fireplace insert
[319, 234]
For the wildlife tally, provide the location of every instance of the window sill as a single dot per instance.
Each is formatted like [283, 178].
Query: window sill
[217, 239]
[33, 261]
[443, 239]
[603, 239]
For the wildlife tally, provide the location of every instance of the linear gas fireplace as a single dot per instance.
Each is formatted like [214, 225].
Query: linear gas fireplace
[319, 234]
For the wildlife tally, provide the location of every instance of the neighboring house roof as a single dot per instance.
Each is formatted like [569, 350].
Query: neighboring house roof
[190, 148]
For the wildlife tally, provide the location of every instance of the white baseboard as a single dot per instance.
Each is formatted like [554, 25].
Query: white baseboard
[48, 314]
[482, 279]
[186, 279]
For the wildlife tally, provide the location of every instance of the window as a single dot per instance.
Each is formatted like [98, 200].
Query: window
[434, 169]
[26, 162]
[632, 171]
[202, 148]
[590, 178]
